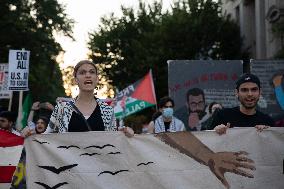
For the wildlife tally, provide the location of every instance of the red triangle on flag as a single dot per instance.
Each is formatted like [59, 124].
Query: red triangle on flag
[145, 90]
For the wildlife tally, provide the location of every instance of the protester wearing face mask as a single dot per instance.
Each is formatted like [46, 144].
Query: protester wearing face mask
[166, 122]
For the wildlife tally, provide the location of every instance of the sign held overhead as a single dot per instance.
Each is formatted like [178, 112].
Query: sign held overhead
[18, 70]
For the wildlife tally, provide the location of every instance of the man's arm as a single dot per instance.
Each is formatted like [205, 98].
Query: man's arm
[35, 107]
[219, 163]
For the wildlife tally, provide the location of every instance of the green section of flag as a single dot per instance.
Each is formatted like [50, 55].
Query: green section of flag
[26, 110]
[133, 107]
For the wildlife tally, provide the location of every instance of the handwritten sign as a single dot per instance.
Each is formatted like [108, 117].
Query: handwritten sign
[18, 70]
[4, 92]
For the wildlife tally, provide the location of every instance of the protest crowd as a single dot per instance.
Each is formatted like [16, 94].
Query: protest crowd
[89, 113]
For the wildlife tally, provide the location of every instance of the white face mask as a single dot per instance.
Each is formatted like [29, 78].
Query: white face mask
[168, 113]
[144, 130]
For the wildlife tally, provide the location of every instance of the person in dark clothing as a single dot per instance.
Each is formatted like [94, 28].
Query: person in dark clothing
[193, 114]
[213, 108]
[248, 91]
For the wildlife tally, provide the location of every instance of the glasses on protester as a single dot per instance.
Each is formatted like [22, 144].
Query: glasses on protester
[197, 104]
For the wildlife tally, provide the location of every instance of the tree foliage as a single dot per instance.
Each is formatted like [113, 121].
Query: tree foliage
[31, 24]
[128, 46]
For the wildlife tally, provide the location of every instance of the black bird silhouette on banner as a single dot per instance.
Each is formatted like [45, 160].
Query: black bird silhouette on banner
[145, 163]
[67, 147]
[114, 153]
[91, 154]
[100, 147]
[40, 142]
[58, 170]
[54, 187]
[113, 173]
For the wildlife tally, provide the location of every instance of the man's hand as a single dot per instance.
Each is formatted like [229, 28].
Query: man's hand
[26, 132]
[234, 162]
[193, 119]
[49, 106]
[222, 129]
[260, 128]
[35, 106]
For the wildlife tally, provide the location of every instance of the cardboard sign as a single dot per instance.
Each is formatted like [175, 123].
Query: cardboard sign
[267, 70]
[216, 78]
[18, 70]
[4, 92]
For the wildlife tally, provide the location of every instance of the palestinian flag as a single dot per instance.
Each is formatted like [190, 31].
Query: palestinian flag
[27, 105]
[135, 97]
[11, 147]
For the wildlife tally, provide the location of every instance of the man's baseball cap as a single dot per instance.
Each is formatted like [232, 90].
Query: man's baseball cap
[247, 77]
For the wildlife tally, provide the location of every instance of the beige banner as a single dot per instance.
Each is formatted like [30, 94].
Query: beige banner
[111, 160]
